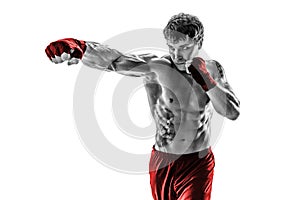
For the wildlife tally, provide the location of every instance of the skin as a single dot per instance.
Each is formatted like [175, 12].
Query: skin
[182, 110]
[182, 52]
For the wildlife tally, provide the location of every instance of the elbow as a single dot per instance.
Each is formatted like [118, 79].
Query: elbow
[233, 109]
[234, 113]
[229, 109]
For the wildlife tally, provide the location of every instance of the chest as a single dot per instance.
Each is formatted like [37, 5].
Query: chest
[180, 91]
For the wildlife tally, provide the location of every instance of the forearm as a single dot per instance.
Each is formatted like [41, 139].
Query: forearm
[224, 102]
[100, 56]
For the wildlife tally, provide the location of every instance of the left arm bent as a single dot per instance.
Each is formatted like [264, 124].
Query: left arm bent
[222, 97]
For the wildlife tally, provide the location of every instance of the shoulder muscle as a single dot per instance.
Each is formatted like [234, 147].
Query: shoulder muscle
[216, 70]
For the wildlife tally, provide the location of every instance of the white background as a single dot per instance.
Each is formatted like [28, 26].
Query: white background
[41, 155]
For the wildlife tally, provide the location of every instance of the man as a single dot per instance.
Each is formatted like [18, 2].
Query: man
[182, 89]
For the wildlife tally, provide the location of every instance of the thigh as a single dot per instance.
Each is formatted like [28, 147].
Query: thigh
[194, 178]
[197, 189]
[161, 179]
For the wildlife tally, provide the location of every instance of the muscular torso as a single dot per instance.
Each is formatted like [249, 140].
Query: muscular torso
[172, 91]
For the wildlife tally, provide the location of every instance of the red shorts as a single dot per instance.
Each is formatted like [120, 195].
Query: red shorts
[185, 177]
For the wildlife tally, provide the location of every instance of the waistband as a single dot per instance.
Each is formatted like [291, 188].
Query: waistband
[197, 154]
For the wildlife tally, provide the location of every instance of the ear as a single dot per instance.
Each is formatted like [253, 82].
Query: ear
[199, 43]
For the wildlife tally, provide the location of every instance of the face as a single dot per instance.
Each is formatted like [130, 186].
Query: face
[183, 51]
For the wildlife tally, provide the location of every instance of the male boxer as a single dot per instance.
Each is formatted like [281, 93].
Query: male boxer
[182, 89]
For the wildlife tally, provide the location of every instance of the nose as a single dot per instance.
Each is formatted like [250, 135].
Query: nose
[178, 55]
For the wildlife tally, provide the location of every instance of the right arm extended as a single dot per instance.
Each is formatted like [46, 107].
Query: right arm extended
[98, 56]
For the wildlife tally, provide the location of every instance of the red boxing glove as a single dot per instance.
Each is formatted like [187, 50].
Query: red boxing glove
[75, 48]
[201, 75]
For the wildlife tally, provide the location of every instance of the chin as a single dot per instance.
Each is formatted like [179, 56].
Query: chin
[180, 66]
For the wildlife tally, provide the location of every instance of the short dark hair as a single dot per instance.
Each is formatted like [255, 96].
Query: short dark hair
[183, 24]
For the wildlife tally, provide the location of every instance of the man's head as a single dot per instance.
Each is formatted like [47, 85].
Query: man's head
[184, 36]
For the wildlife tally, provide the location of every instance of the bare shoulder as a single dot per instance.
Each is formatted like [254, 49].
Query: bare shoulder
[148, 56]
[215, 69]
[156, 65]
[162, 60]
[217, 72]
[159, 64]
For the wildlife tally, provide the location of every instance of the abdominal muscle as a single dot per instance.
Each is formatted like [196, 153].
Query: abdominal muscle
[189, 106]
[192, 131]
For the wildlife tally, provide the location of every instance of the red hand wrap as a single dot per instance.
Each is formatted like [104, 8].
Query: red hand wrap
[201, 75]
[65, 45]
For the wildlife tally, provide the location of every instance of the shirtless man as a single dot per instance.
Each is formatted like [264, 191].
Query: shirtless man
[182, 90]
